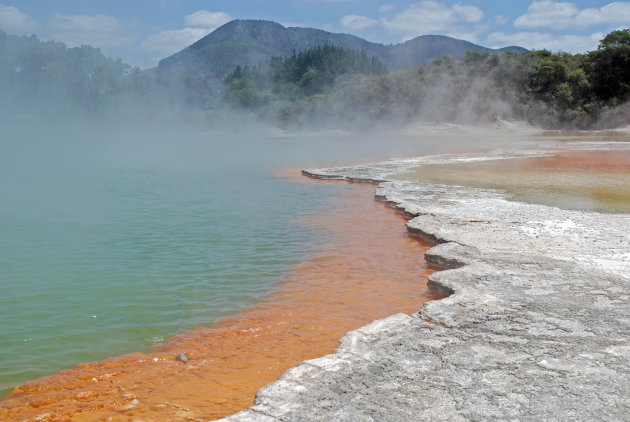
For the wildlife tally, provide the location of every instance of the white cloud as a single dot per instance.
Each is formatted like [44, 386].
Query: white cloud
[468, 13]
[538, 41]
[198, 25]
[612, 13]
[96, 30]
[356, 22]
[430, 16]
[547, 13]
[15, 22]
[386, 8]
[207, 19]
[423, 17]
[169, 42]
[563, 15]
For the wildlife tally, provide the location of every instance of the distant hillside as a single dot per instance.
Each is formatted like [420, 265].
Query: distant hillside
[249, 42]
[425, 48]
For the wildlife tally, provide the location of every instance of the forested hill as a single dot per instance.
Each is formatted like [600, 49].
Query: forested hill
[47, 75]
[325, 86]
[249, 42]
[308, 73]
[425, 48]
[553, 90]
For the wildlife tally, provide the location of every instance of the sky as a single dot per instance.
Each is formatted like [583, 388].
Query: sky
[141, 32]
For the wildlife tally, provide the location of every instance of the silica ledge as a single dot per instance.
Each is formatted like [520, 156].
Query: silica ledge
[537, 326]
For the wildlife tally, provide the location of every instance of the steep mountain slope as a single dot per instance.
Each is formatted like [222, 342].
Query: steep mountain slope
[248, 42]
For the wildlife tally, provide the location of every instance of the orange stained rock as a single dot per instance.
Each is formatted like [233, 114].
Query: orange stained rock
[368, 269]
[596, 180]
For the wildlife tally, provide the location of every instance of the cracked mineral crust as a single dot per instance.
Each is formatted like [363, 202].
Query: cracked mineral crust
[537, 326]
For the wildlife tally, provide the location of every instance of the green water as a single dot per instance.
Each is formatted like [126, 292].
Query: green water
[111, 243]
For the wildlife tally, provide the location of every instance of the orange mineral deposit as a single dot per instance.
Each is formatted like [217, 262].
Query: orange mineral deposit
[589, 180]
[368, 269]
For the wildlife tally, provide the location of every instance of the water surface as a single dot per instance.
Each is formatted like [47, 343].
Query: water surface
[112, 241]
[356, 275]
[587, 180]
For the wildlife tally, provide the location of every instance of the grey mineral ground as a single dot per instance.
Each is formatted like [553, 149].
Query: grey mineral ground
[537, 327]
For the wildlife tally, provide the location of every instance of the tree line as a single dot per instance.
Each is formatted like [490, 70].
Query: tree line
[48, 79]
[310, 72]
[553, 90]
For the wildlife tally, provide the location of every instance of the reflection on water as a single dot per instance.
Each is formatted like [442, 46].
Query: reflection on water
[369, 268]
[576, 179]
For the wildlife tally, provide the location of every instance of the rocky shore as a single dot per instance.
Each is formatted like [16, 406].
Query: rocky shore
[536, 327]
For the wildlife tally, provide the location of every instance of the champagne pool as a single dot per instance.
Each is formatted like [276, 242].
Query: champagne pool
[585, 180]
[114, 242]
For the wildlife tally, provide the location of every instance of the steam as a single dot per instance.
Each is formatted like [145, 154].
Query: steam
[84, 137]
[48, 84]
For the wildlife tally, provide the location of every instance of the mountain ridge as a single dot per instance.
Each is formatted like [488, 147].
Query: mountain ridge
[249, 42]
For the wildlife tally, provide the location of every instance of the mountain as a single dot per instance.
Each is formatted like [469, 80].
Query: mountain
[425, 48]
[249, 42]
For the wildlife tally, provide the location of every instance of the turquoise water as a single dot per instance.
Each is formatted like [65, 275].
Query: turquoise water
[111, 243]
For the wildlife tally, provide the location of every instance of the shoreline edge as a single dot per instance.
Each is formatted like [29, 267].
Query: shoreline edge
[538, 325]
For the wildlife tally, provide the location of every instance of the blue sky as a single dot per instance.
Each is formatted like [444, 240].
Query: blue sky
[141, 32]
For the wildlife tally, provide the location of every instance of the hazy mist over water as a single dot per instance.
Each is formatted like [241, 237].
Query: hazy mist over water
[115, 238]
[125, 219]
[117, 232]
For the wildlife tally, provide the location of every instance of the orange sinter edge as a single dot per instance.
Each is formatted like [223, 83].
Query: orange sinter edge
[368, 269]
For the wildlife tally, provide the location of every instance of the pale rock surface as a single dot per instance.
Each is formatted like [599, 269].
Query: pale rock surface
[537, 327]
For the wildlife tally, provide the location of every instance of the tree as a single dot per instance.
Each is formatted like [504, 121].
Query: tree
[619, 38]
[609, 68]
[548, 73]
[242, 90]
[300, 75]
